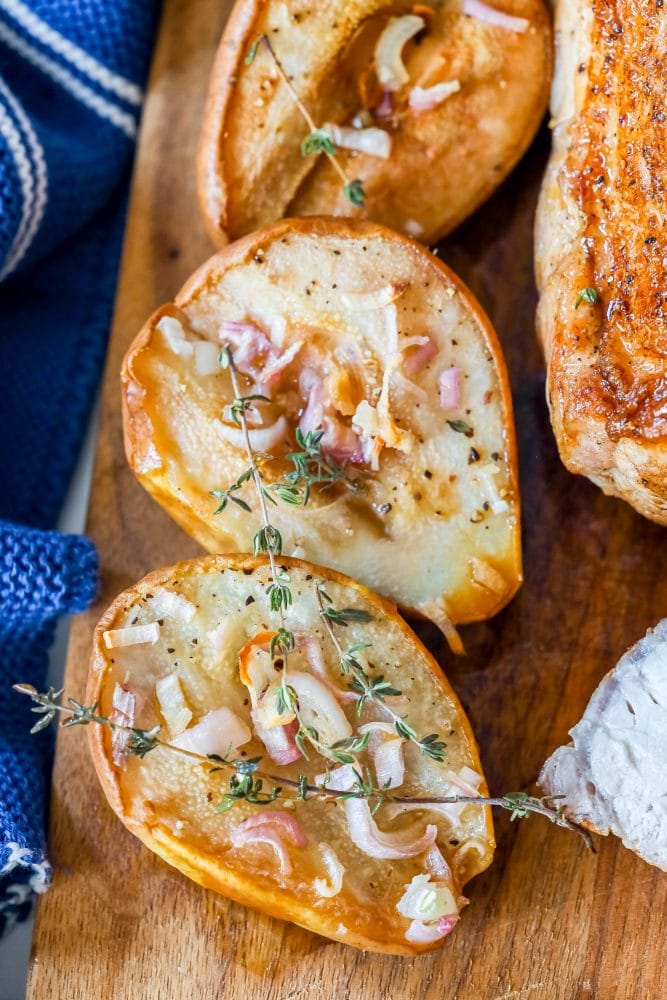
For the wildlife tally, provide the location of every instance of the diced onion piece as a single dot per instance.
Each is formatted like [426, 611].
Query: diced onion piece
[173, 705]
[261, 439]
[376, 843]
[378, 298]
[417, 360]
[339, 441]
[219, 636]
[449, 386]
[174, 335]
[466, 781]
[487, 576]
[373, 141]
[123, 707]
[482, 11]
[389, 67]
[279, 741]
[331, 886]
[207, 357]
[426, 900]
[133, 635]
[425, 98]
[420, 933]
[216, 732]
[277, 363]
[484, 475]
[170, 604]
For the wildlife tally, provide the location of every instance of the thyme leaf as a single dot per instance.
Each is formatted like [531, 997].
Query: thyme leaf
[318, 141]
[354, 192]
[588, 294]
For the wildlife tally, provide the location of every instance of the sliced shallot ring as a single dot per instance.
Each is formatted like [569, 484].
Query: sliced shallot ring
[372, 141]
[328, 888]
[498, 18]
[283, 820]
[376, 843]
[313, 650]
[261, 438]
[389, 67]
[425, 98]
[262, 835]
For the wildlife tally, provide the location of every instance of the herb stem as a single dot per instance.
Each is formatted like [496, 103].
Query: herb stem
[308, 118]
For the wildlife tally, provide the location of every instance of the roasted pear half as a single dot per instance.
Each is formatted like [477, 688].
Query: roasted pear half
[188, 649]
[427, 107]
[379, 371]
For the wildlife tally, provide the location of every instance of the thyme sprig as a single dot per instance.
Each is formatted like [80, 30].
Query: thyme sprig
[313, 468]
[246, 780]
[318, 140]
[375, 689]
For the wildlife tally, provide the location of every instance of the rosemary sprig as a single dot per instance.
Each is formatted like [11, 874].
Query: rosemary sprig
[317, 140]
[370, 689]
[246, 781]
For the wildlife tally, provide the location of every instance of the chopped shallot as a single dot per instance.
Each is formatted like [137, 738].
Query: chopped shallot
[173, 705]
[278, 362]
[339, 441]
[248, 343]
[389, 67]
[420, 933]
[282, 820]
[426, 900]
[171, 604]
[219, 732]
[123, 706]
[449, 385]
[132, 635]
[331, 886]
[218, 637]
[425, 98]
[373, 141]
[207, 357]
[313, 650]
[417, 360]
[174, 334]
[261, 439]
[386, 748]
[376, 299]
[482, 11]
[279, 741]
[270, 827]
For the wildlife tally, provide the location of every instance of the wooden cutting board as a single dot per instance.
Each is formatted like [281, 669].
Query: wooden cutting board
[548, 920]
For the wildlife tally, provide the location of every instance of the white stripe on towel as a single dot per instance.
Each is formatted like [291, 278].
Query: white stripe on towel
[83, 61]
[110, 112]
[31, 168]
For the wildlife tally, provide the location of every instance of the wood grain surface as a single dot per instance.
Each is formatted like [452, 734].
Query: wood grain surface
[548, 920]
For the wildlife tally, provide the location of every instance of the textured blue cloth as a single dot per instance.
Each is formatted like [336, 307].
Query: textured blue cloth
[71, 73]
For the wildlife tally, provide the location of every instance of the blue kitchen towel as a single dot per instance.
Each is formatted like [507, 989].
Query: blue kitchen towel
[71, 73]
